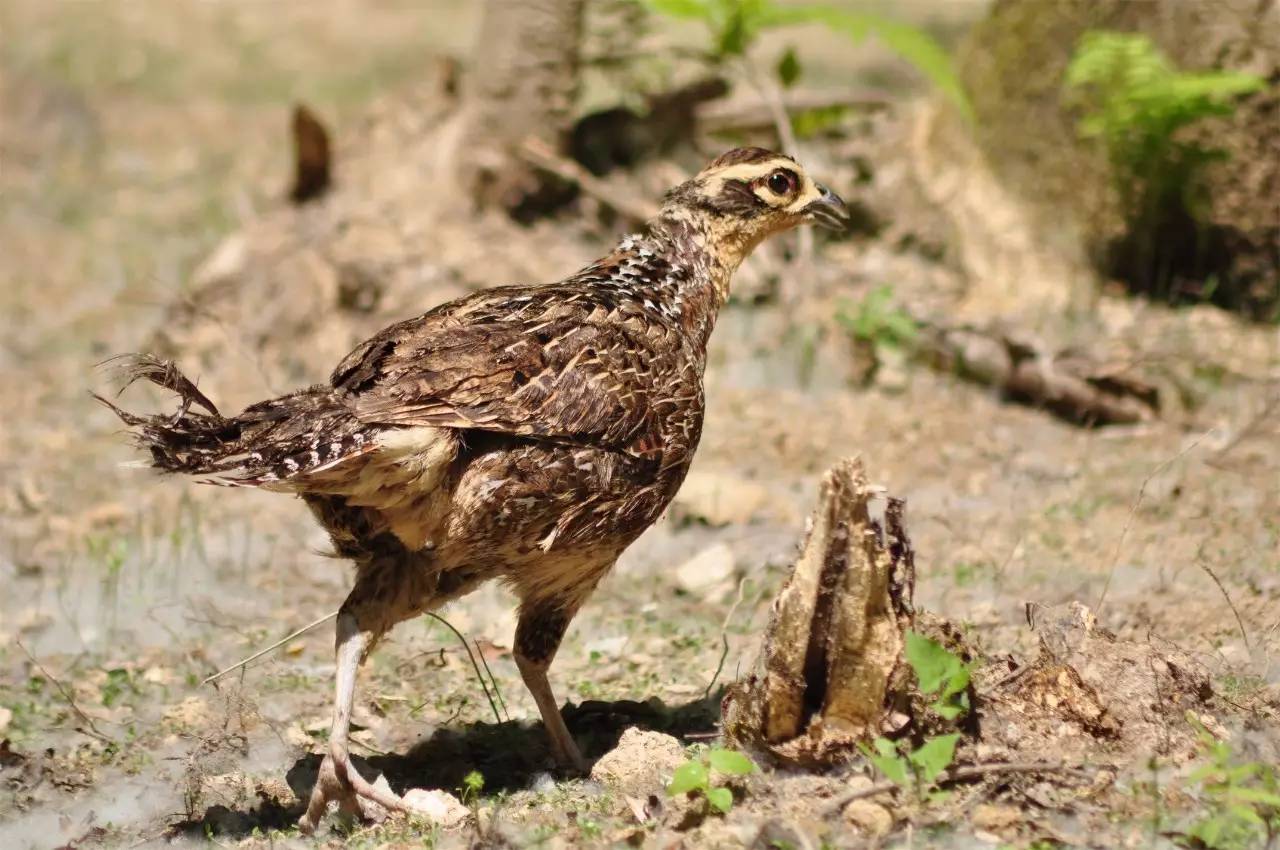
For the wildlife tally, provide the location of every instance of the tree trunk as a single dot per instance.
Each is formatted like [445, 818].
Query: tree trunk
[521, 84]
[1028, 135]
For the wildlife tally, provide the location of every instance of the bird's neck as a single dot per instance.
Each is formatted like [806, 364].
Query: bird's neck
[703, 260]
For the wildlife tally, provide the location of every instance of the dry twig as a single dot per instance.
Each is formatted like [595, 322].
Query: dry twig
[475, 666]
[1133, 510]
[1239, 622]
[66, 695]
[959, 774]
[724, 638]
[252, 658]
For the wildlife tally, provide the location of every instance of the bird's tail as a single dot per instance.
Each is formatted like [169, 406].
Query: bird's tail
[267, 443]
[187, 441]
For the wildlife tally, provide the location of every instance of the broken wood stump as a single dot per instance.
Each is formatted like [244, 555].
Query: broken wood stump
[831, 673]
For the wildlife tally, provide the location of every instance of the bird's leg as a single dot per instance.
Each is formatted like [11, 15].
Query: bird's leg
[338, 779]
[538, 637]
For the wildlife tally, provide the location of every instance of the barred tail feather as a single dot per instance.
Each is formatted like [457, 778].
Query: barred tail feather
[267, 444]
[188, 441]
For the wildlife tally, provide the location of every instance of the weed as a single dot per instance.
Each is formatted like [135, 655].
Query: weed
[876, 321]
[590, 828]
[472, 785]
[914, 769]
[940, 674]
[1240, 686]
[965, 573]
[694, 777]
[1242, 799]
[118, 683]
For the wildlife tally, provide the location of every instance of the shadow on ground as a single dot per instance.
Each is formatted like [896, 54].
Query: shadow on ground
[509, 755]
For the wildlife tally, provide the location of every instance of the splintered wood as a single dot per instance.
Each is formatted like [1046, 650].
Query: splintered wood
[832, 657]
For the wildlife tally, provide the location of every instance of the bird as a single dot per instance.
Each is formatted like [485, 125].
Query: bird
[526, 433]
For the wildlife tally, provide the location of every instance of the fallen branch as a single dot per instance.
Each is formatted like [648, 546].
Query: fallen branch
[1067, 384]
[252, 658]
[66, 695]
[958, 774]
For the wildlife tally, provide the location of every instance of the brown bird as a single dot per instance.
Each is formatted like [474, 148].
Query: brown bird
[527, 433]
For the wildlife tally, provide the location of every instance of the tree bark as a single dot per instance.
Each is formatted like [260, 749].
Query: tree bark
[522, 84]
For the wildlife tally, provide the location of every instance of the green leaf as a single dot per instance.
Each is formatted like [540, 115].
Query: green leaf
[721, 799]
[690, 776]
[917, 47]
[731, 762]
[934, 756]
[789, 68]
[931, 661]
[946, 710]
[888, 762]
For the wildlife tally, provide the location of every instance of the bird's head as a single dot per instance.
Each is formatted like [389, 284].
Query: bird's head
[749, 194]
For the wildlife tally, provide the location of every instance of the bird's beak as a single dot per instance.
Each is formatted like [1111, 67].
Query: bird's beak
[829, 210]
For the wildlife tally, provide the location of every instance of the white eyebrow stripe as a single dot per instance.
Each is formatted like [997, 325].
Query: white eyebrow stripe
[748, 171]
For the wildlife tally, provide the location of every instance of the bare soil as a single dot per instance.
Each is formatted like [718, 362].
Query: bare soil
[142, 180]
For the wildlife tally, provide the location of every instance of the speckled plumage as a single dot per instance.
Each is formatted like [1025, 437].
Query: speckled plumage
[528, 433]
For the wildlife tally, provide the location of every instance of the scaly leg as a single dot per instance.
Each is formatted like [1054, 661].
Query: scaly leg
[339, 780]
[538, 637]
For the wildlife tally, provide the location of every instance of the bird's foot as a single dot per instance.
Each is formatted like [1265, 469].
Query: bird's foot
[340, 782]
[568, 756]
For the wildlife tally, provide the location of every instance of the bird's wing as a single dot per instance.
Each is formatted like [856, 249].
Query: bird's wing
[555, 362]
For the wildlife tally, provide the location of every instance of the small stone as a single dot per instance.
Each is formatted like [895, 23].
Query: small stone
[711, 567]
[641, 764]
[439, 807]
[191, 713]
[869, 818]
[6, 717]
[995, 818]
[780, 833]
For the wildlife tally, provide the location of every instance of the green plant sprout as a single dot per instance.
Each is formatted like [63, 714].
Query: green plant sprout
[734, 26]
[943, 675]
[472, 785]
[939, 673]
[1242, 799]
[694, 776]
[914, 769]
[876, 321]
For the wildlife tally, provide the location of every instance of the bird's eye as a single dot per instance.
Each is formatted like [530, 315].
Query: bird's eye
[781, 182]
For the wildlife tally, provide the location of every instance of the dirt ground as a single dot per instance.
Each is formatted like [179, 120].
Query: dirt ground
[142, 172]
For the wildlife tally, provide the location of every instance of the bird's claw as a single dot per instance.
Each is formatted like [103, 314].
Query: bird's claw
[339, 782]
